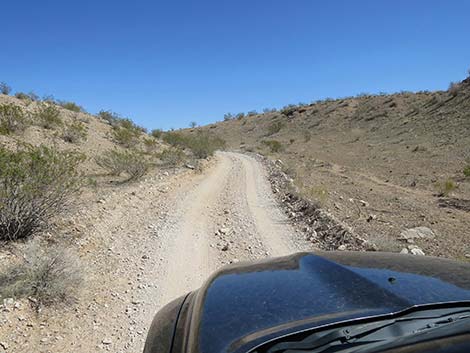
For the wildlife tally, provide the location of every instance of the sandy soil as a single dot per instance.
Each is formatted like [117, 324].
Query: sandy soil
[147, 243]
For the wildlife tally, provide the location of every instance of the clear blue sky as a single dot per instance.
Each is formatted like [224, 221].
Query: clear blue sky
[166, 63]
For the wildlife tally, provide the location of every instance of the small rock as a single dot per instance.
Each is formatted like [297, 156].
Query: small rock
[4, 345]
[101, 201]
[371, 217]
[189, 166]
[404, 251]
[417, 251]
[364, 203]
[106, 341]
[234, 261]
[225, 247]
[342, 247]
[417, 233]
[223, 230]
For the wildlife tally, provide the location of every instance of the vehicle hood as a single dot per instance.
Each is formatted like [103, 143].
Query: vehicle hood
[245, 305]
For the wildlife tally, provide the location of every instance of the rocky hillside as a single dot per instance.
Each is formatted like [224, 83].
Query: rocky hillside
[383, 164]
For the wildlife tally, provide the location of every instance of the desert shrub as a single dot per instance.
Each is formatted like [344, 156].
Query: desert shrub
[12, 119]
[49, 274]
[22, 96]
[318, 193]
[157, 133]
[444, 188]
[454, 89]
[192, 124]
[125, 137]
[111, 117]
[33, 96]
[74, 132]
[240, 116]
[274, 145]
[466, 171]
[172, 157]
[36, 183]
[291, 141]
[150, 144]
[4, 88]
[289, 109]
[204, 145]
[228, 116]
[269, 110]
[252, 113]
[48, 116]
[74, 107]
[274, 128]
[132, 163]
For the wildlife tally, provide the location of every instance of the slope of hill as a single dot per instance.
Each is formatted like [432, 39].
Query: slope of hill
[380, 163]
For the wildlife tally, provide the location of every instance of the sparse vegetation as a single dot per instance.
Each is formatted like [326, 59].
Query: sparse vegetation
[132, 163]
[454, 89]
[444, 188]
[466, 171]
[48, 116]
[4, 88]
[49, 274]
[157, 133]
[74, 107]
[252, 113]
[274, 128]
[150, 144]
[228, 116]
[126, 136]
[12, 119]
[202, 145]
[274, 145]
[74, 132]
[172, 157]
[288, 110]
[192, 124]
[319, 194]
[36, 183]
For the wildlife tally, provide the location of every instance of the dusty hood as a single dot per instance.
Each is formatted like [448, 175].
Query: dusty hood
[245, 305]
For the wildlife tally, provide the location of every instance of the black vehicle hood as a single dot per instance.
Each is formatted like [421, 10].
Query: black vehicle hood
[245, 305]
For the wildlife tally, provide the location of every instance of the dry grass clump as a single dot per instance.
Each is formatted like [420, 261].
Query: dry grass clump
[47, 274]
[36, 184]
[274, 128]
[172, 157]
[273, 145]
[444, 188]
[201, 145]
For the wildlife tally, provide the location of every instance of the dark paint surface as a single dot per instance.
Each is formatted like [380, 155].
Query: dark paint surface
[245, 305]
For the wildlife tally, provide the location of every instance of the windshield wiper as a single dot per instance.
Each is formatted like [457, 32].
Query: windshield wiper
[351, 338]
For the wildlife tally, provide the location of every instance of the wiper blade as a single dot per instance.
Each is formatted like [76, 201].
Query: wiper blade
[377, 332]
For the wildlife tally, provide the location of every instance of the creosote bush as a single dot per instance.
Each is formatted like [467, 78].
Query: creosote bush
[49, 274]
[150, 144]
[275, 127]
[48, 116]
[466, 171]
[74, 132]
[274, 145]
[132, 163]
[201, 145]
[36, 184]
[157, 133]
[71, 106]
[12, 119]
[172, 157]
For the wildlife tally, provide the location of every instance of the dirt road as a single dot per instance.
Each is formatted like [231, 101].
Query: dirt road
[149, 243]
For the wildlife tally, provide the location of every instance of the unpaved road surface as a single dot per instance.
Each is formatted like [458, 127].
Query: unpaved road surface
[149, 243]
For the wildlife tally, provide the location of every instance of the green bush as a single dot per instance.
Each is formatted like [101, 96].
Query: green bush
[132, 163]
[12, 119]
[22, 96]
[202, 145]
[125, 137]
[71, 106]
[48, 116]
[157, 133]
[112, 118]
[49, 274]
[36, 183]
[4, 88]
[228, 116]
[74, 132]
[289, 110]
[172, 157]
[274, 146]
[274, 128]
[466, 171]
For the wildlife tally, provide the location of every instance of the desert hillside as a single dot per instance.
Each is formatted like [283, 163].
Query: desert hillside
[383, 164]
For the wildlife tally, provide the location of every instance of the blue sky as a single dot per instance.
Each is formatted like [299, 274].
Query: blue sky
[166, 63]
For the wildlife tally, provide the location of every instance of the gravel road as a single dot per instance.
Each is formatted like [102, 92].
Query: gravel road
[148, 243]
